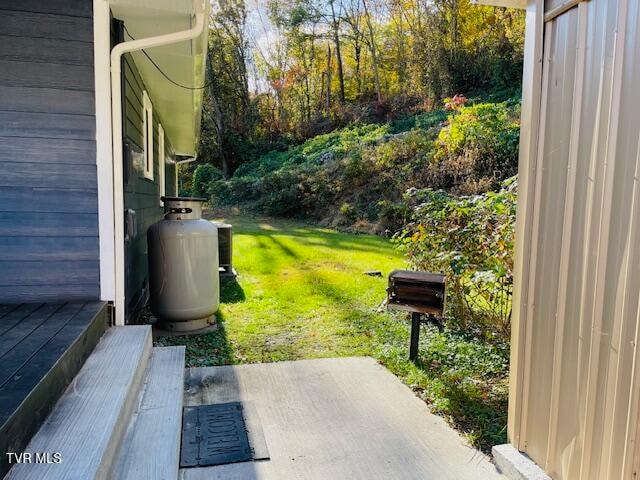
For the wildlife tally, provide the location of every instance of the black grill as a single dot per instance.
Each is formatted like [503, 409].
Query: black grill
[423, 294]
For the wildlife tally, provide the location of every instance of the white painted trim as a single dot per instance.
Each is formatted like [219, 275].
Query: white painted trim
[560, 9]
[527, 167]
[161, 165]
[101, 49]
[147, 126]
[177, 173]
[116, 118]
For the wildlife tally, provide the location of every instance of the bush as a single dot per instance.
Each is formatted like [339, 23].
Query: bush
[423, 121]
[232, 192]
[348, 212]
[470, 239]
[369, 166]
[202, 177]
[279, 194]
[477, 149]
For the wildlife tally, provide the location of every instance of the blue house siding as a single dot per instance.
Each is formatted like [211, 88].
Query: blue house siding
[141, 194]
[48, 185]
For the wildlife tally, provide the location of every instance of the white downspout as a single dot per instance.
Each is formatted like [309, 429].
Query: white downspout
[178, 163]
[116, 117]
[187, 160]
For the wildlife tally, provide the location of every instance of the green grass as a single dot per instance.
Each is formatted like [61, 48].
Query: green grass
[302, 293]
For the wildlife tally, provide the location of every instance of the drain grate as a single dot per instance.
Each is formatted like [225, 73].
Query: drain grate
[214, 435]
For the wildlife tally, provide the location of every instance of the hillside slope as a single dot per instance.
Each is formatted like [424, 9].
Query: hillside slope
[356, 178]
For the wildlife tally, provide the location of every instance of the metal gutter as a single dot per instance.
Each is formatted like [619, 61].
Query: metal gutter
[187, 160]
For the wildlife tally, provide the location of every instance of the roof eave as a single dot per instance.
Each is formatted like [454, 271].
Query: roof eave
[179, 109]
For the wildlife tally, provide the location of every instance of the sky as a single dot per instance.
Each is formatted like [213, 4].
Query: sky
[262, 35]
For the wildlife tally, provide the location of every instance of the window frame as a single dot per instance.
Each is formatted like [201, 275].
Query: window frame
[161, 165]
[147, 124]
[176, 171]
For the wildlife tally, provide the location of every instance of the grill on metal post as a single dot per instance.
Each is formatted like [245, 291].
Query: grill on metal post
[225, 250]
[421, 293]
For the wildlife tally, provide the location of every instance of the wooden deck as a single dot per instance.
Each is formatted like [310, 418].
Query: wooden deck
[42, 347]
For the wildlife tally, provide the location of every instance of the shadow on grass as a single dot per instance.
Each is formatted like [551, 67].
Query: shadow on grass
[231, 291]
[285, 249]
[476, 411]
[462, 378]
[314, 237]
[320, 284]
[335, 241]
[210, 348]
[205, 349]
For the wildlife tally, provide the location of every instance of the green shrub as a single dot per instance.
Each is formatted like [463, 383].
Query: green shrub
[202, 177]
[477, 149]
[233, 191]
[369, 167]
[471, 240]
[423, 121]
[347, 211]
[279, 194]
[392, 214]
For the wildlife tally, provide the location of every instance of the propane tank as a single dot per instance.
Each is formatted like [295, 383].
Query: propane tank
[184, 282]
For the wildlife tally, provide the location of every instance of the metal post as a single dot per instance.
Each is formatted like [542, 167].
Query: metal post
[415, 336]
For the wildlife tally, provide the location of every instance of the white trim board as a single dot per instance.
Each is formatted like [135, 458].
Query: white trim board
[147, 119]
[161, 165]
[101, 51]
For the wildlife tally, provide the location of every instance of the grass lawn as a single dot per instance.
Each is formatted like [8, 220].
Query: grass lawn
[302, 293]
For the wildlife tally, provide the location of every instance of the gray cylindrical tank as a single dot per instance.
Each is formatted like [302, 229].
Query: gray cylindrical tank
[183, 266]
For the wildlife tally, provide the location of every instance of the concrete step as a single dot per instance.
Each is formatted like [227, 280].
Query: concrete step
[88, 423]
[151, 449]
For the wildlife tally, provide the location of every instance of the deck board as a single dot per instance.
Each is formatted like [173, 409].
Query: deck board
[22, 382]
[156, 426]
[19, 356]
[11, 338]
[5, 309]
[89, 421]
[42, 348]
[16, 315]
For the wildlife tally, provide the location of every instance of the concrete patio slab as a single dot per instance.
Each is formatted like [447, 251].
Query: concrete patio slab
[342, 418]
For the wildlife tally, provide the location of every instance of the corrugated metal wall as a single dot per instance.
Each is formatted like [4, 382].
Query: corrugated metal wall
[575, 385]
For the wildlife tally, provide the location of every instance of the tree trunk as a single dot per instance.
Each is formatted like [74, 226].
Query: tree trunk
[328, 77]
[336, 39]
[357, 52]
[372, 47]
[402, 61]
[218, 120]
